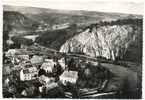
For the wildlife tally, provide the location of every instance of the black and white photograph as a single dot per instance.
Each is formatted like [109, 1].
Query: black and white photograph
[72, 49]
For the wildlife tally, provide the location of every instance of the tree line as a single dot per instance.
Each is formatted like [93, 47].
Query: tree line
[135, 21]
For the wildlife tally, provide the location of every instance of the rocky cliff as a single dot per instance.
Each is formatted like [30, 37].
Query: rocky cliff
[108, 41]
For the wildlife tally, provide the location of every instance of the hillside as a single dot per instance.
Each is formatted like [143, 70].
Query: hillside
[26, 20]
[17, 21]
[55, 38]
[15, 24]
[54, 16]
[120, 39]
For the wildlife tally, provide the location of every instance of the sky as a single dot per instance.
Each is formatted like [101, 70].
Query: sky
[119, 6]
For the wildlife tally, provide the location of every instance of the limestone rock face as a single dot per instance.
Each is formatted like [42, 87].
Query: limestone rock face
[109, 42]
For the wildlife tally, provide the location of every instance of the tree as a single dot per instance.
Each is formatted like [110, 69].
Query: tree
[41, 72]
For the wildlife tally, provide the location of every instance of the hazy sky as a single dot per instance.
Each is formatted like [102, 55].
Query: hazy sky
[120, 6]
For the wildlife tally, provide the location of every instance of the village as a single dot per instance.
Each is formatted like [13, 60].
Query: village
[50, 75]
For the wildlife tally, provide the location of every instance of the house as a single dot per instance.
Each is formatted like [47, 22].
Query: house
[24, 93]
[10, 42]
[45, 80]
[37, 59]
[48, 87]
[15, 60]
[48, 66]
[60, 26]
[6, 82]
[23, 57]
[11, 52]
[27, 74]
[62, 63]
[69, 77]
[7, 69]
[48, 60]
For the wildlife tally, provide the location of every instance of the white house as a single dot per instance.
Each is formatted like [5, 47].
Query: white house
[28, 74]
[48, 67]
[36, 59]
[11, 52]
[69, 77]
[49, 60]
[46, 80]
[41, 89]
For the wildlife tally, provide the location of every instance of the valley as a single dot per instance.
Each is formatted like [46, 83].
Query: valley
[49, 53]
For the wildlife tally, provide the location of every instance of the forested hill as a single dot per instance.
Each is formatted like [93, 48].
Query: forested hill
[55, 16]
[16, 20]
[15, 23]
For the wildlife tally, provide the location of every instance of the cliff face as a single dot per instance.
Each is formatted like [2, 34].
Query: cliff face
[108, 41]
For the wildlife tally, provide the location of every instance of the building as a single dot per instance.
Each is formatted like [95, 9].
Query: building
[31, 37]
[10, 52]
[23, 57]
[15, 60]
[28, 74]
[69, 77]
[46, 80]
[50, 86]
[48, 66]
[62, 63]
[50, 89]
[37, 59]
[60, 26]
[7, 69]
